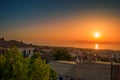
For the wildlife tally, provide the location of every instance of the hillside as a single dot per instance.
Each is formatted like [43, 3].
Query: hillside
[6, 44]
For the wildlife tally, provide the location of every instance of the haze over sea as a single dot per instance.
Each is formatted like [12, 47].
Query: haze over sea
[111, 46]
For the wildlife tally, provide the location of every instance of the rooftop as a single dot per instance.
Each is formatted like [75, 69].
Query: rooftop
[87, 71]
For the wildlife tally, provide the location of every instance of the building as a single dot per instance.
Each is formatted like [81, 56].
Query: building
[2, 50]
[27, 51]
[62, 68]
[116, 72]
[84, 71]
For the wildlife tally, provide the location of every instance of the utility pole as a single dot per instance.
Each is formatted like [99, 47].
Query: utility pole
[112, 66]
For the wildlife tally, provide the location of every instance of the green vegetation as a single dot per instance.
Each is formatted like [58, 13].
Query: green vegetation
[62, 54]
[13, 66]
[53, 75]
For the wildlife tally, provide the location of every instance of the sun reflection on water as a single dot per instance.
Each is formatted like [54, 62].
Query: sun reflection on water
[96, 46]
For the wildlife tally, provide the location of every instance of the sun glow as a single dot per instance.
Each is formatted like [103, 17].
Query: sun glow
[97, 35]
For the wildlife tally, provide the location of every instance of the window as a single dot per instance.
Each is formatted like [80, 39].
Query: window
[60, 78]
[29, 52]
[24, 53]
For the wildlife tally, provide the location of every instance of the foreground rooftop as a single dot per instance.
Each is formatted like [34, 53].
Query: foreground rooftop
[85, 71]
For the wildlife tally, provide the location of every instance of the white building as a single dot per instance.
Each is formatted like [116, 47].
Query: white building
[27, 51]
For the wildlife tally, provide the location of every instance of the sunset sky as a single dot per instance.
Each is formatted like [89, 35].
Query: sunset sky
[60, 21]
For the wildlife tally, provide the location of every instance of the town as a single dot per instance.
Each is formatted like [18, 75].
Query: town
[72, 63]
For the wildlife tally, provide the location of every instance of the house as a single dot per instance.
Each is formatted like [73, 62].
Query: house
[62, 68]
[27, 51]
[84, 71]
[116, 72]
[2, 50]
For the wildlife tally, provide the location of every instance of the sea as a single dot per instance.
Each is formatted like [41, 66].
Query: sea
[110, 46]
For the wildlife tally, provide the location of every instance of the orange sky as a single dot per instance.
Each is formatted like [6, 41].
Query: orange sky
[71, 28]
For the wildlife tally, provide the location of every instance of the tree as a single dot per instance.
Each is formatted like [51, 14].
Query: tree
[2, 65]
[53, 75]
[62, 54]
[39, 70]
[13, 66]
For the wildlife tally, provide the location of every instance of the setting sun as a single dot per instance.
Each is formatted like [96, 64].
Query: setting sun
[97, 35]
